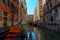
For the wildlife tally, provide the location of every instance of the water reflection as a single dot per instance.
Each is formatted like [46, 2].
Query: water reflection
[31, 35]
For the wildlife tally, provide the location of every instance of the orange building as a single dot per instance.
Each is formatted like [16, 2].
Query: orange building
[8, 12]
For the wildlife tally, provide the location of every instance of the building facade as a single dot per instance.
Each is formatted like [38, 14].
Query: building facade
[23, 12]
[52, 13]
[30, 18]
[36, 13]
[49, 14]
[41, 5]
[38, 18]
[8, 12]
[12, 12]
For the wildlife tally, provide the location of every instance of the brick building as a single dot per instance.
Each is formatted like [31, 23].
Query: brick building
[12, 12]
[8, 10]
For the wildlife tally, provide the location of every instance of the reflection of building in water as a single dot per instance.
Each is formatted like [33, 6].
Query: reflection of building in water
[38, 18]
[31, 35]
[38, 33]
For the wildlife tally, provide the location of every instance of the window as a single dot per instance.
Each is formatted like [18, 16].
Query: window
[50, 4]
[5, 14]
[5, 22]
[12, 19]
[17, 10]
[46, 1]
[56, 10]
[22, 6]
[17, 1]
[55, 1]
[51, 18]
[44, 10]
[40, 5]
[41, 2]
[4, 1]
[13, 8]
[47, 7]
[5, 19]
[8, 3]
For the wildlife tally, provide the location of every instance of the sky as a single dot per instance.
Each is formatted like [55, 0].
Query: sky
[31, 5]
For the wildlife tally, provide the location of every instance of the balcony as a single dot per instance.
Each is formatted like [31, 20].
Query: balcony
[15, 3]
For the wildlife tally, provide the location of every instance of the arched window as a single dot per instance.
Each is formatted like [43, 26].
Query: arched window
[51, 18]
